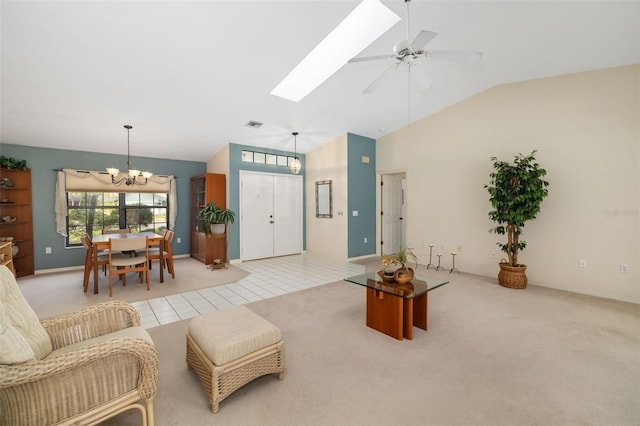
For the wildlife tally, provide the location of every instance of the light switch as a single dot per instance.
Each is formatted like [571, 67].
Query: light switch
[365, 159]
[355, 213]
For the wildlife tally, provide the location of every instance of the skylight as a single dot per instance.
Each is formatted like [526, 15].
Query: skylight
[368, 21]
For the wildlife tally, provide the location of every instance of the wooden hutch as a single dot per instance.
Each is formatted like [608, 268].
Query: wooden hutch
[206, 188]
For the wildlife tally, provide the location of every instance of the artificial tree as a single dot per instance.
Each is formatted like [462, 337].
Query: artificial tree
[516, 192]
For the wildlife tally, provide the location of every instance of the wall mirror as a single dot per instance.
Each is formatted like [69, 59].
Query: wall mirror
[323, 199]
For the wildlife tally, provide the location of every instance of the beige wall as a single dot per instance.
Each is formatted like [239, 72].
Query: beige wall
[586, 128]
[328, 237]
[219, 163]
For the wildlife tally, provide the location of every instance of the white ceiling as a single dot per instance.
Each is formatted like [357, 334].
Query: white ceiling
[189, 75]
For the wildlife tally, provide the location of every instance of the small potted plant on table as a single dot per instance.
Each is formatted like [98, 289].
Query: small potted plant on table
[404, 257]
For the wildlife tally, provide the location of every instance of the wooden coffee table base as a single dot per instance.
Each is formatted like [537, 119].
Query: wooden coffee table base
[394, 315]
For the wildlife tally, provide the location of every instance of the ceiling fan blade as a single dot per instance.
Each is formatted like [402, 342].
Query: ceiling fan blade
[380, 79]
[370, 58]
[453, 55]
[422, 39]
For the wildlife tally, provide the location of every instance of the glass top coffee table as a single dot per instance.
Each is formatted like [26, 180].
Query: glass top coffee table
[394, 308]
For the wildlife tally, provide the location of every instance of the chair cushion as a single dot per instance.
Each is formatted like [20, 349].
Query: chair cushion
[14, 349]
[18, 316]
[138, 332]
[232, 333]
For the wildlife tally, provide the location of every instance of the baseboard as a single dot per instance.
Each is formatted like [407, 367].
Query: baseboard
[81, 267]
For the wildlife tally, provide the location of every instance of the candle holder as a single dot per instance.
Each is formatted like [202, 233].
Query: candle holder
[453, 268]
[439, 256]
[430, 253]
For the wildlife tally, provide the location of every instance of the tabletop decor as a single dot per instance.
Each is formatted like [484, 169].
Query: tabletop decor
[404, 273]
[388, 267]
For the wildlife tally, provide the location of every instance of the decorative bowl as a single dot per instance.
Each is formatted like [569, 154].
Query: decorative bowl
[386, 278]
[403, 276]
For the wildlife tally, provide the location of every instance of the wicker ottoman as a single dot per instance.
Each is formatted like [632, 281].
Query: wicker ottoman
[228, 349]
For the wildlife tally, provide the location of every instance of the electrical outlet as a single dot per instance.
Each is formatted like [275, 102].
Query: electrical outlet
[459, 249]
[583, 263]
[47, 250]
[179, 240]
[624, 268]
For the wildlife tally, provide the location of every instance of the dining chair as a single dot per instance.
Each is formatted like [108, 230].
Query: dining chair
[167, 254]
[121, 265]
[103, 260]
[120, 231]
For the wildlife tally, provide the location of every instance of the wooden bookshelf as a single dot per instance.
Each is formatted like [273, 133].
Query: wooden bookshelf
[16, 218]
[6, 256]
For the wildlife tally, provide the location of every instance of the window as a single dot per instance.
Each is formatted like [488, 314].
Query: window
[264, 158]
[91, 212]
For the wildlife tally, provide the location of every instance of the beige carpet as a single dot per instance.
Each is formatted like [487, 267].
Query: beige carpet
[61, 292]
[492, 356]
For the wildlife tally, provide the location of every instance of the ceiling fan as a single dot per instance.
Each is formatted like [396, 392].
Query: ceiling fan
[413, 52]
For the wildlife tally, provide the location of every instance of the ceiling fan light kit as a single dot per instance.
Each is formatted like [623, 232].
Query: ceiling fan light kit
[368, 21]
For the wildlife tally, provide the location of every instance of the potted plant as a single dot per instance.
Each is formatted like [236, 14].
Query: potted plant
[516, 191]
[216, 219]
[404, 257]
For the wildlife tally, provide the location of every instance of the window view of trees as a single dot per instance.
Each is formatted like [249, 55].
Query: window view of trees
[91, 212]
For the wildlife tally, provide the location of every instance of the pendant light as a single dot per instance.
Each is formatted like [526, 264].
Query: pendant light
[295, 165]
[133, 177]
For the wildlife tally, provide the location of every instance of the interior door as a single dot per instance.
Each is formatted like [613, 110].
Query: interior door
[256, 207]
[393, 210]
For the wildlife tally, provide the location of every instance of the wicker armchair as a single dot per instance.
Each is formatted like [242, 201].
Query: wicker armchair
[102, 364]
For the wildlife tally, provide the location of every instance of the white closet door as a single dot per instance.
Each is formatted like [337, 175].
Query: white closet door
[256, 198]
[270, 214]
[287, 204]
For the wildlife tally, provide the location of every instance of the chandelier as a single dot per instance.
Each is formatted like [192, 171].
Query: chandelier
[295, 165]
[133, 177]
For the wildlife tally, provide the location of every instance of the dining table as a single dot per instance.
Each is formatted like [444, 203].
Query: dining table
[101, 242]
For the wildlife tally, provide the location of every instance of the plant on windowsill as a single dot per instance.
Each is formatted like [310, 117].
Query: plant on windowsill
[516, 191]
[216, 219]
[404, 257]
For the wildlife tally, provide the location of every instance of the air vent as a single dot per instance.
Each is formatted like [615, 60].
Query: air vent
[254, 124]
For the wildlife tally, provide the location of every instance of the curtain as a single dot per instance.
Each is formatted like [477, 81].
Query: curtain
[92, 181]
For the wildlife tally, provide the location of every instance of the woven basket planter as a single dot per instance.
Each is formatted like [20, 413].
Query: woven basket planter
[512, 276]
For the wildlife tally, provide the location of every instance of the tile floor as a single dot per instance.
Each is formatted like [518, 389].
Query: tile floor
[265, 281]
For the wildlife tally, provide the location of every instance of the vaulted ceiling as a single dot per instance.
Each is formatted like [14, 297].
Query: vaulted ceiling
[188, 76]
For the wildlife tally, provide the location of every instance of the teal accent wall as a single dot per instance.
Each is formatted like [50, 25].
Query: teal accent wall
[42, 161]
[361, 190]
[235, 165]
